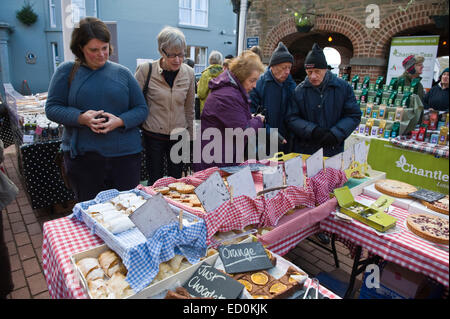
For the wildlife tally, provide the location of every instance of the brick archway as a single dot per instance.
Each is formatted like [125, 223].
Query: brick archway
[416, 16]
[332, 22]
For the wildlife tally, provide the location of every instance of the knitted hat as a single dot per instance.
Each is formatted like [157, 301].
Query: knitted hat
[280, 55]
[316, 59]
[411, 61]
[445, 70]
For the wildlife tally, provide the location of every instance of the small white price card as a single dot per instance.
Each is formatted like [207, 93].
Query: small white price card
[347, 158]
[273, 177]
[334, 162]
[314, 163]
[28, 138]
[293, 169]
[213, 192]
[360, 150]
[154, 213]
[242, 183]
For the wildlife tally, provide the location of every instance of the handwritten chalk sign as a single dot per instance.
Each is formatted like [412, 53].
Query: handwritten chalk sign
[293, 169]
[242, 183]
[334, 162]
[208, 282]
[314, 163]
[151, 215]
[213, 192]
[347, 158]
[273, 177]
[244, 257]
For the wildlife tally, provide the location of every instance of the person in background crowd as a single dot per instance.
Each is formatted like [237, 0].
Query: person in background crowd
[170, 99]
[257, 50]
[229, 56]
[190, 62]
[212, 71]
[323, 110]
[413, 65]
[101, 107]
[8, 192]
[272, 93]
[437, 97]
[226, 63]
[228, 103]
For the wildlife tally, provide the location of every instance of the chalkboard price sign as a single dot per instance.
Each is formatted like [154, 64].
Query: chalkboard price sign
[244, 257]
[209, 282]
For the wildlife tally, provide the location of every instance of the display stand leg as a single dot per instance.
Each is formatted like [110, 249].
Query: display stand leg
[358, 267]
[332, 250]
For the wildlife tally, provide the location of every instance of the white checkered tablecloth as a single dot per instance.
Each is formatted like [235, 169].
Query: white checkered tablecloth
[403, 248]
[63, 238]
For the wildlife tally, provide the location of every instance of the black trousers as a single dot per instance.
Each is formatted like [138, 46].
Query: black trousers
[92, 173]
[157, 149]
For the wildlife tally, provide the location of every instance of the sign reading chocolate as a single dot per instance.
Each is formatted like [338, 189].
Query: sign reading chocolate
[244, 257]
[209, 282]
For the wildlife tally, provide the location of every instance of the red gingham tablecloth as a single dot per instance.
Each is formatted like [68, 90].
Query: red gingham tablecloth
[244, 211]
[64, 237]
[403, 248]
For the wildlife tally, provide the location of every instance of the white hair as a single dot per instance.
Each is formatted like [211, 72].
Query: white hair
[215, 57]
[171, 39]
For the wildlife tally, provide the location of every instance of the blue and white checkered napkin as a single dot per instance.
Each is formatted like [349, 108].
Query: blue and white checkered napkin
[141, 256]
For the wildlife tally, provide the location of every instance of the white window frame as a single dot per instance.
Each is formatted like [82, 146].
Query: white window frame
[55, 56]
[198, 67]
[78, 10]
[52, 13]
[193, 10]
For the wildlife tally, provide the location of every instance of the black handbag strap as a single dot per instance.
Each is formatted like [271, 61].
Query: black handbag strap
[145, 89]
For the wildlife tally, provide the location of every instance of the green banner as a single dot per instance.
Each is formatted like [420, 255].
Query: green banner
[422, 170]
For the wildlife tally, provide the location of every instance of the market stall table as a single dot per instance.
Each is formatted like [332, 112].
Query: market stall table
[402, 248]
[64, 237]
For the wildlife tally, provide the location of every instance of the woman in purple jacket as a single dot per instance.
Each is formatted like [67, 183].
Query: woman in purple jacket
[226, 115]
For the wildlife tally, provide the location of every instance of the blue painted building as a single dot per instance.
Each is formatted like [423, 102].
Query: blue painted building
[32, 53]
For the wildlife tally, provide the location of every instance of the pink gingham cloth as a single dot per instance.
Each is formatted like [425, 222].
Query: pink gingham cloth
[403, 248]
[63, 238]
[243, 211]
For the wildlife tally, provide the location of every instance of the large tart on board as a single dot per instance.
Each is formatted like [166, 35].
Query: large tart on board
[394, 188]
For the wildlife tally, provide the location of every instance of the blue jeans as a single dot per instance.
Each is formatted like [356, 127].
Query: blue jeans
[91, 173]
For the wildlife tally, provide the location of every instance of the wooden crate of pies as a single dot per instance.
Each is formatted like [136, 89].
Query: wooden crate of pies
[102, 273]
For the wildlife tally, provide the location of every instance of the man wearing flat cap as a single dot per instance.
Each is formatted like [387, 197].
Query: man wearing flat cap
[413, 65]
[272, 93]
[323, 110]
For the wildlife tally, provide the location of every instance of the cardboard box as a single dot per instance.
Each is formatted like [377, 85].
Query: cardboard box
[405, 282]
[373, 216]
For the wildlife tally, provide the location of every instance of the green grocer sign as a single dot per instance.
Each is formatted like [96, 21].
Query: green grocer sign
[419, 169]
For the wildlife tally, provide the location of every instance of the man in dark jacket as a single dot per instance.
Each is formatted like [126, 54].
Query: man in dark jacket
[272, 93]
[322, 111]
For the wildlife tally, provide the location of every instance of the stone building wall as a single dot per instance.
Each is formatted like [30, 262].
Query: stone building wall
[272, 21]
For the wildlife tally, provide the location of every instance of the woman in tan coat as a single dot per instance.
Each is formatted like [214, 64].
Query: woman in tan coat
[170, 98]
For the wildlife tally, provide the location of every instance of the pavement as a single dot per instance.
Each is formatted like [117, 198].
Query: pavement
[22, 227]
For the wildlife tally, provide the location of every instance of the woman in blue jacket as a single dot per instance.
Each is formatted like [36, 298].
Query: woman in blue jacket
[101, 107]
[323, 110]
